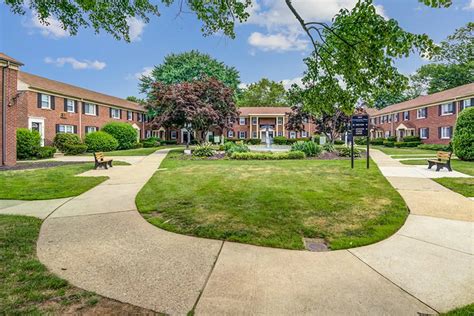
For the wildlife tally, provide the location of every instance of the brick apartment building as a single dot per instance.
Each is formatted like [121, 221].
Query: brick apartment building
[253, 123]
[51, 107]
[431, 117]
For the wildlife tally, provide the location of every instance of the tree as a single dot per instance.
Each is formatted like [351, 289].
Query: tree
[196, 106]
[187, 67]
[458, 48]
[263, 93]
[134, 99]
[385, 98]
[114, 17]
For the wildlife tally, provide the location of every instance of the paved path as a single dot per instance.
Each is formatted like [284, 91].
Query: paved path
[99, 242]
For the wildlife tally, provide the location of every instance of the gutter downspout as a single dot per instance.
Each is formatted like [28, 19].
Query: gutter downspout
[4, 113]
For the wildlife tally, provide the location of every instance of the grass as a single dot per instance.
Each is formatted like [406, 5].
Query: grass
[273, 203]
[467, 310]
[47, 183]
[404, 151]
[464, 186]
[134, 152]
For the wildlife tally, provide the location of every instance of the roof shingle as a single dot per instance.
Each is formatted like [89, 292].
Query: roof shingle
[264, 110]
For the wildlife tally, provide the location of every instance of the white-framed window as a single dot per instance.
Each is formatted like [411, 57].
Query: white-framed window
[421, 113]
[241, 135]
[130, 115]
[406, 115]
[70, 106]
[387, 134]
[390, 118]
[139, 117]
[445, 132]
[45, 101]
[241, 120]
[424, 133]
[115, 113]
[447, 109]
[68, 129]
[395, 117]
[466, 103]
[280, 120]
[90, 109]
[254, 134]
[304, 134]
[91, 129]
[173, 134]
[292, 135]
[230, 134]
[280, 133]
[254, 121]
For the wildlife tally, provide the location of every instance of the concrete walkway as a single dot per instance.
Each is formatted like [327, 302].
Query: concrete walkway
[99, 242]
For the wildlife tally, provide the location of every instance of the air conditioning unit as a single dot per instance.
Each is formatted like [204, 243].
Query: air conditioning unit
[63, 115]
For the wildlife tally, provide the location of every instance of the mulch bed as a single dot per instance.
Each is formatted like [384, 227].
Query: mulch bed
[40, 164]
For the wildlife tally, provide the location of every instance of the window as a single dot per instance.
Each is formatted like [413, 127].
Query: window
[254, 134]
[421, 113]
[242, 135]
[130, 115]
[69, 129]
[292, 134]
[115, 113]
[445, 132]
[466, 103]
[45, 101]
[395, 117]
[90, 109]
[241, 120]
[139, 117]
[447, 109]
[280, 120]
[173, 134]
[230, 134]
[305, 120]
[390, 118]
[424, 133]
[304, 134]
[387, 134]
[91, 129]
[70, 106]
[254, 121]
[406, 116]
[280, 133]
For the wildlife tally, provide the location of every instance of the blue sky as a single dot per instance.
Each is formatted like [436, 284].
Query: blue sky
[269, 45]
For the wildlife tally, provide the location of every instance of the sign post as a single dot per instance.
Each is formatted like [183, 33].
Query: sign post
[359, 127]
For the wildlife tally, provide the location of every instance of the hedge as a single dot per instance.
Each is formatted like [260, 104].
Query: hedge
[28, 143]
[75, 149]
[392, 138]
[124, 133]
[463, 138]
[407, 144]
[45, 152]
[411, 139]
[150, 142]
[435, 147]
[62, 140]
[279, 140]
[268, 156]
[100, 141]
[388, 143]
[254, 141]
[377, 141]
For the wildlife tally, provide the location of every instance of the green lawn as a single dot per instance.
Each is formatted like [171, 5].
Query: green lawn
[273, 203]
[134, 152]
[47, 183]
[467, 310]
[464, 186]
[404, 151]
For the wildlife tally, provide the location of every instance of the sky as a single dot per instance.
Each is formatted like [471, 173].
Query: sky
[270, 44]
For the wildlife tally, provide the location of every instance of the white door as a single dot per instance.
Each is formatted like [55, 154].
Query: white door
[37, 124]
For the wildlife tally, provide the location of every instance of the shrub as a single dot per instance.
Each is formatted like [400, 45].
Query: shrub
[170, 142]
[45, 152]
[308, 147]
[268, 156]
[254, 141]
[124, 133]
[388, 143]
[328, 147]
[392, 138]
[346, 152]
[409, 139]
[407, 144]
[316, 138]
[435, 147]
[204, 150]
[137, 145]
[280, 140]
[339, 142]
[463, 138]
[100, 141]
[237, 147]
[360, 140]
[377, 141]
[150, 142]
[27, 143]
[75, 149]
[62, 140]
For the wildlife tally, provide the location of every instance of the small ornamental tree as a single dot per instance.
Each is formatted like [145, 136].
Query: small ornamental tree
[124, 133]
[195, 106]
[463, 139]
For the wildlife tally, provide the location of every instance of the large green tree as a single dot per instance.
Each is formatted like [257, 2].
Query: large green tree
[188, 67]
[265, 92]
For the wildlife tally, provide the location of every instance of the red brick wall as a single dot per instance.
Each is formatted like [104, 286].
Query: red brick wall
[433, 121]
[11, 116]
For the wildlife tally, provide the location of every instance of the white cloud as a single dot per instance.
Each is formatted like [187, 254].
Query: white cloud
[146, 71]
[470, 5]
[287, 83]
[136, 27]
[277, 42]
[50, 28]
[76, 64]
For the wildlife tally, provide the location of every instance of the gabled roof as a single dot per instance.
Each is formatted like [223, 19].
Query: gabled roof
[48, 85]
[10, 59]
[466, 90]
[264, 110]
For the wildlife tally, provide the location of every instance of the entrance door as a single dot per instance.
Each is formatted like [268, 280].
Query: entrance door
[37, 124]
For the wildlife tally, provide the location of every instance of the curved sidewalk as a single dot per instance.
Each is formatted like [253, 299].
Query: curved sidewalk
[99, 242]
